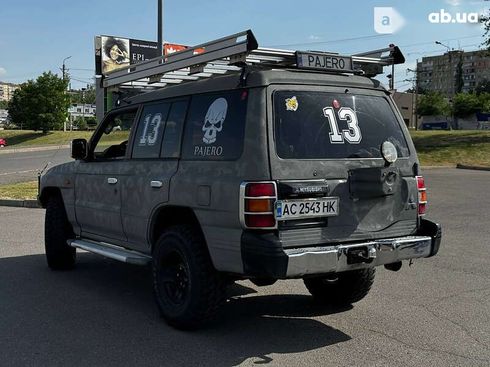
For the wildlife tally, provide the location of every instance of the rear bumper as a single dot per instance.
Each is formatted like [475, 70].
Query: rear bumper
[263, 255]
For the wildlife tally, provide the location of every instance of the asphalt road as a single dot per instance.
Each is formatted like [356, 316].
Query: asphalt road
[434, 313]
[24, 166]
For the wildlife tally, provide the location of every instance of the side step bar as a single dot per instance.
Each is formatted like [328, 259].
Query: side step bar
[111, 251]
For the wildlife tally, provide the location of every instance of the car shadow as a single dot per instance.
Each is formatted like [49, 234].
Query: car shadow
[103, 313]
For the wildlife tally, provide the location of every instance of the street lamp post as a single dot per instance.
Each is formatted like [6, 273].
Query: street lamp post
[63, 69]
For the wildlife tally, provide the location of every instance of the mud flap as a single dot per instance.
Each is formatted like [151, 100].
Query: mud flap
[434, 231]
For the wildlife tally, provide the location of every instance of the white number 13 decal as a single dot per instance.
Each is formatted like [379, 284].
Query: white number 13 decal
[352, 135]
[150, 136]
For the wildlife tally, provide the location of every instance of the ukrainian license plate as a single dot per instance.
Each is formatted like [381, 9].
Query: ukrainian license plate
[307, 208]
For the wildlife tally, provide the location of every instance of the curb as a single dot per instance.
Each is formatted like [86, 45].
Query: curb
[20, 203]
[436, 167]
[477, 168]
[32, 149]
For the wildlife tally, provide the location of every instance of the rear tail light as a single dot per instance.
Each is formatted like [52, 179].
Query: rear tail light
[422, 195]
[257, 201]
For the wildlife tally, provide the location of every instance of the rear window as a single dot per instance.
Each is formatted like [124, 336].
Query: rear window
[319, 125]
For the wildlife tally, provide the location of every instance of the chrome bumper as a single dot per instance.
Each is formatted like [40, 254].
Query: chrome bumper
[331, 259]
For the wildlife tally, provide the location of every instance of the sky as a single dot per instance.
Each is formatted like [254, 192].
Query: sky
[37, 35]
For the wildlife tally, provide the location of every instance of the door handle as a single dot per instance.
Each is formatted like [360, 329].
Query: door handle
[156, 184]
[112, 180]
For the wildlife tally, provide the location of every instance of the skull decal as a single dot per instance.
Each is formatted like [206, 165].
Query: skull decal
[213, 122]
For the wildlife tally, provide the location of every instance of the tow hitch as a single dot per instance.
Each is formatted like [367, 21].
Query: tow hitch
[361, 255]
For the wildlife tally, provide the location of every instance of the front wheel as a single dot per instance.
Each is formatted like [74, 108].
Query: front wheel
[57, 231]
[341, 289]
[187, 288]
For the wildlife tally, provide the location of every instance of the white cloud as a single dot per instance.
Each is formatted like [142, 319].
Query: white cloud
[453, 2]
[2, 71]
[312, 37]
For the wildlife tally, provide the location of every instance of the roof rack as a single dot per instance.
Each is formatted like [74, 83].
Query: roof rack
[231, 53]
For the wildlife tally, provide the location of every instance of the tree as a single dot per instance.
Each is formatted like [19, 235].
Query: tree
[85, 95]
[483, 87]
[465, 104]
[4, 105]
[41, 104]
[485, 102]
[485, 19]
[80, 123]
[432, 104]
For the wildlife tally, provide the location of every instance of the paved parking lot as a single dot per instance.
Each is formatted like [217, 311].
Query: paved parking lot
[434, 313]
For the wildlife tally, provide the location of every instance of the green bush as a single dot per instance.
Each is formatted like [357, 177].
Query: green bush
[433, 104]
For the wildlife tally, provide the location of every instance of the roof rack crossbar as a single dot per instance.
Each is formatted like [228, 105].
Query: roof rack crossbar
[239, 43]
[229, 54]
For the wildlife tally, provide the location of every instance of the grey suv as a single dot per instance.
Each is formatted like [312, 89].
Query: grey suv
[260, 173]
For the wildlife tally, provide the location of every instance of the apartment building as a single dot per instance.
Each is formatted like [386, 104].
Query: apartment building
[454, 72]
[7, 91]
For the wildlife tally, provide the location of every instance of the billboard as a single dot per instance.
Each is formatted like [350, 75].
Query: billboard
[113, 53]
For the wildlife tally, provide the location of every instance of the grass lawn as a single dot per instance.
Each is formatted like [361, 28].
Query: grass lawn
[21, 191]
[436, 148]
[29, 138]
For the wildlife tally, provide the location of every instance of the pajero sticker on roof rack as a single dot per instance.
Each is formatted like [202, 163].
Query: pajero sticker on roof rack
[323, 61]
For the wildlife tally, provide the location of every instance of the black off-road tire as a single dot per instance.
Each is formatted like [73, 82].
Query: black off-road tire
[341, 289]
[187, 288]
[57, 230]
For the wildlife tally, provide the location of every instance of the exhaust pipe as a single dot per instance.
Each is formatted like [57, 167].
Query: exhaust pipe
[394, 266]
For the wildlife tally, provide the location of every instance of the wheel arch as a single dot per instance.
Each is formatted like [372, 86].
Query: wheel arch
[48, 192]
[171, 215]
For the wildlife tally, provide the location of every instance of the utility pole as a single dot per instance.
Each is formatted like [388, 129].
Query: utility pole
[63, 68]
[63, 71]
[415, 82]
[451, 79]
[160, 28]
[416, 94]
[83, 108]
[392, 77]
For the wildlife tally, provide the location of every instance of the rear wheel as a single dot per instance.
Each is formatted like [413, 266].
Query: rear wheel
[57, 230]
[187, 288]
[341, 289]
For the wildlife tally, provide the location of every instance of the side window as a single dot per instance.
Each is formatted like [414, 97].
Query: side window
[173, 130]
[215, 126]
[113, 141]
[151, 126]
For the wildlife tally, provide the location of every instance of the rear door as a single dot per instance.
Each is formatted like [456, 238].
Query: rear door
[154, 160]
[326, 143]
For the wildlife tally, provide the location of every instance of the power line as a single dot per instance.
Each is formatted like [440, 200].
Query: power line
[331, 41]
[86, 81]
[447, 39]
[438, 51]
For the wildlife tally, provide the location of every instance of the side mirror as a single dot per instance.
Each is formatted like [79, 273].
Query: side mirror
[79, 149]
